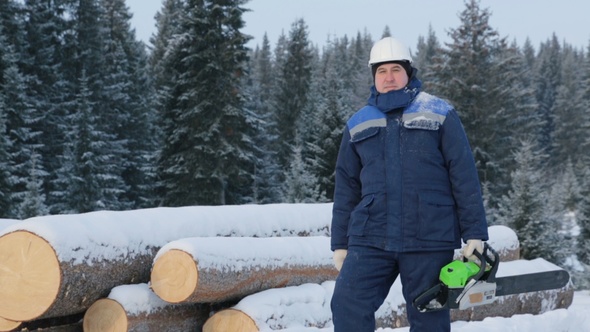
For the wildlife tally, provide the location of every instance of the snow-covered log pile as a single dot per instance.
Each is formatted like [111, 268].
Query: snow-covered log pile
[309, 305]
[94, 265]
[59, 265]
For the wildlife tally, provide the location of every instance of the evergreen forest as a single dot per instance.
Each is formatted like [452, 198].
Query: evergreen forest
[94, 119]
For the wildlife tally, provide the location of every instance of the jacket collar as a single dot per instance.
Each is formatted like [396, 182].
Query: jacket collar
[391, 100]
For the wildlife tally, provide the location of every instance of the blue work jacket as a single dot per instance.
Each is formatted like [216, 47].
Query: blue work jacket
[405, 176]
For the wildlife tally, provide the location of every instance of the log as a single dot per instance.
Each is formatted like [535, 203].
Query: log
[504, 241]
[210, 270]
[8, 325]
[71, 323]
[135, 308]
[309, 305]
[276, 309]
[230, 320]
[30, 276]
[85, 255]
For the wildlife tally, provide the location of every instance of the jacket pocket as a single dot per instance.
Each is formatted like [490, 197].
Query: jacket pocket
[437, 217]
[360, 216]
[364, 134]
[366, 143]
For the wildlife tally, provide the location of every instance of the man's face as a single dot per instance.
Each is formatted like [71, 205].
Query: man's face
[389, 77]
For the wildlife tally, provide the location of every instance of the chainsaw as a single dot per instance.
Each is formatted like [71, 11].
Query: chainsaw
[465, 284]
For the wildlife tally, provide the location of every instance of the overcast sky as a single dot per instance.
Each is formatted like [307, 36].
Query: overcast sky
[407, 20]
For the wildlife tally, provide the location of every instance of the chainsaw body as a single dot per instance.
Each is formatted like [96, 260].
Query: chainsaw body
[463, 284]
[466, 284]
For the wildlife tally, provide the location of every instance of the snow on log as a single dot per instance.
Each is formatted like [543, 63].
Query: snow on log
[210, 270]
[309, 305]
[503, 240]
[135, 308]
[7, 222]
[59, 265]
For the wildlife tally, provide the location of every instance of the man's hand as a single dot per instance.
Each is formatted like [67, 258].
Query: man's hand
[471, 246]
[339, 256]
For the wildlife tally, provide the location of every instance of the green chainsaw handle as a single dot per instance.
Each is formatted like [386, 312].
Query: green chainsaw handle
[440, 297]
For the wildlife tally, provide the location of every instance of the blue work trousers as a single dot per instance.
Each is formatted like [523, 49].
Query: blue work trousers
[366, 277]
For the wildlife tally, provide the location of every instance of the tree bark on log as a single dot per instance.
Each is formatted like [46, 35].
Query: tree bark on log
[59, 265]
[135, 308]
[210, 270]
[276, 309]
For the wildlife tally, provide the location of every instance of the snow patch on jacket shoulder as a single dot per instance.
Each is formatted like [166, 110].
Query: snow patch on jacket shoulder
[426, 112]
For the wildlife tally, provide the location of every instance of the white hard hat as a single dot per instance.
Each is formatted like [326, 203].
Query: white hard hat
[389, 49]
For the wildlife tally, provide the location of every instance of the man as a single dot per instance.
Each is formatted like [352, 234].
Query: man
[407, 193]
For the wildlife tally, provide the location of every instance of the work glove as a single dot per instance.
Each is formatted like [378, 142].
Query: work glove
[471, 246]
[339, 256]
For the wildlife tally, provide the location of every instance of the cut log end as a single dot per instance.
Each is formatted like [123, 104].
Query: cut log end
[29, 274]
[8, 325]
[174, 276]
[105, 315]
[230, 320]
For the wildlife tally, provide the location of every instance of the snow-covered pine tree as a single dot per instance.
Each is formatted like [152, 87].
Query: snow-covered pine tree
[482, 77]
[329, 105]
[21, 119]
[569, 112]
[582, 169]
[167, 25]
[581, 242]
[85, 191]
[206, 156]
[360, 78]
[129, 112]
[89, 88]
[41, 62]
[301, 184]
[6, 169]
[566, 189]
[583, 217]
[547, 79]
[33, 203]
[5, 164]
[527, 211]
[266, 186]
[11, 20]
[292, 87]
[426, 50]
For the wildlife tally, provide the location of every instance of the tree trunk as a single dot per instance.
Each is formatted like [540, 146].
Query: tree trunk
[221, 269]
[135, 308]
